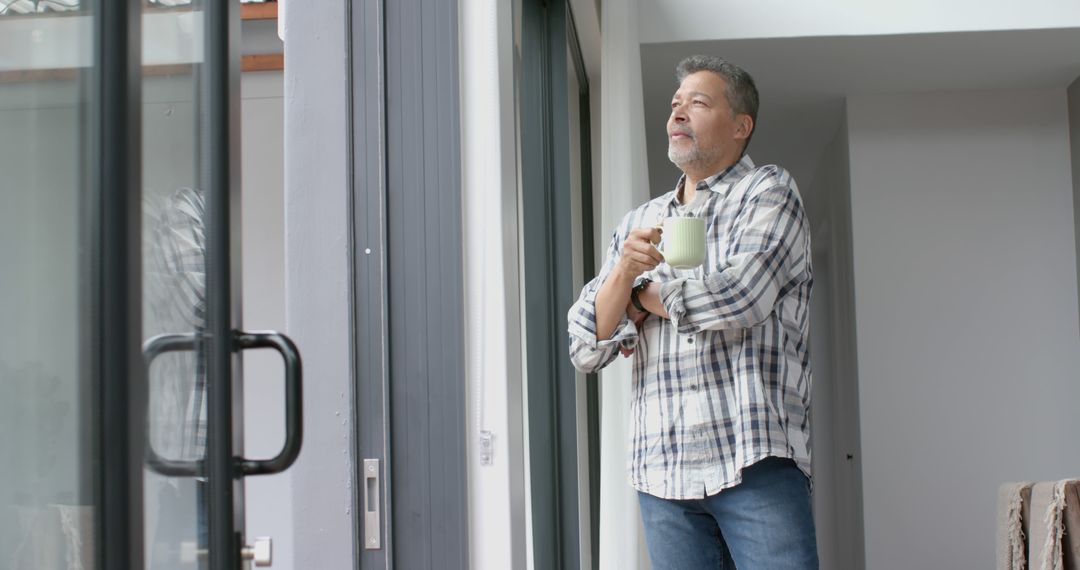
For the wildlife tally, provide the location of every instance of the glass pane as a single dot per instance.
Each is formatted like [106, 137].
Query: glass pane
[173, 279]
[46, 405]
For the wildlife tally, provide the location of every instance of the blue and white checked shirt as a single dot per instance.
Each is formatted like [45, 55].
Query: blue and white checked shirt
[726, 381]
[175, 302]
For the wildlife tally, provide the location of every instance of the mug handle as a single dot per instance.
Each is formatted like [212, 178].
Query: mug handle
[657, 244]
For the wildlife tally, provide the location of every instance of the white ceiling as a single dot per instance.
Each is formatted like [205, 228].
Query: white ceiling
[803, 81]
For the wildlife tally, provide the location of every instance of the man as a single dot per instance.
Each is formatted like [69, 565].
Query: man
[720, 454]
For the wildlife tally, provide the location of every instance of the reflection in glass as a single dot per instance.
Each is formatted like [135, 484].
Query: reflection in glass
[173, 281]
[20, 7]
[46, 404]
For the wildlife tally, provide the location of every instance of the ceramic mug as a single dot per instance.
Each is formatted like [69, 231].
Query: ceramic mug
[683, 242]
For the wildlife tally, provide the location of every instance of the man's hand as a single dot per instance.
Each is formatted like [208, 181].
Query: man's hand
[639, 254]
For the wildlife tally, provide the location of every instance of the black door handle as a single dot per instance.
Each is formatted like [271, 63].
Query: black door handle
[294, 405]
[152, 348]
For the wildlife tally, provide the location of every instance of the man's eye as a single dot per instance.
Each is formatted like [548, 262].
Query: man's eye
[699, 103]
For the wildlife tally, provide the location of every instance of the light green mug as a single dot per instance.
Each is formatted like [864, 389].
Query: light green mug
[683, 242]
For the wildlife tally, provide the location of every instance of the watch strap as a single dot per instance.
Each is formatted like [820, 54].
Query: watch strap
[634, 295]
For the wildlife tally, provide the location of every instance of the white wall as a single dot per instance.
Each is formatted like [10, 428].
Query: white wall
[966, 311]
[834, 409]
[269, 498]
[497, 518]
[688, 20]
[832, 418]
[316, 278]
[1074, 140]
[821, 426]
[624, 176]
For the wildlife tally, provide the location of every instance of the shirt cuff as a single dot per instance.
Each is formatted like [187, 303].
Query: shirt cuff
[625, 335]
[671, 295]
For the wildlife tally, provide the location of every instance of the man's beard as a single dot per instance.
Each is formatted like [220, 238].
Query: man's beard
[684, 157]
[689, 157]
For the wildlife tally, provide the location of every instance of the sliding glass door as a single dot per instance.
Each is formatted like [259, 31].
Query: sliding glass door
[49, 457]
[120, 382]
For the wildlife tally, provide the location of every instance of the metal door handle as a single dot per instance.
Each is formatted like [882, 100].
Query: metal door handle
[294, 406]
[161, 344]
[152, 348]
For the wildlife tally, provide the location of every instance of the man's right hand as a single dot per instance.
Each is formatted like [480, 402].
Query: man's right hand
[639, 254]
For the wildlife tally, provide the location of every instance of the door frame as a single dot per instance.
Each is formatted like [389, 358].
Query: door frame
[407, 283]
[547, 31]
[113, 304]
[114, 307]
[219, 131]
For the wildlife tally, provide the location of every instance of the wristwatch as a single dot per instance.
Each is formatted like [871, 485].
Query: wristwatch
[641, 285]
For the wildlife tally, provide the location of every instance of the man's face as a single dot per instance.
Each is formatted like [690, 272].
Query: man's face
[703, 132]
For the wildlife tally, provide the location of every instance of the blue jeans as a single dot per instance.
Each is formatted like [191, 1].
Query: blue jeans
[763, 523]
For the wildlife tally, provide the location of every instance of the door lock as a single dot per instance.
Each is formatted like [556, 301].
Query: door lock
[260, 553]
[372, 520]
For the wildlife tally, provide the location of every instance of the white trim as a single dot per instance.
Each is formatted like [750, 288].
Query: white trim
[317, 266]
[492, 326]
[624, 185]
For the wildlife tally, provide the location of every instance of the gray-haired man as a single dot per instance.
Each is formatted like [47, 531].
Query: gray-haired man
[720, 453]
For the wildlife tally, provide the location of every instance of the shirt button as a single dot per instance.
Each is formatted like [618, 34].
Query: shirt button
[693, 387]
[690, 340]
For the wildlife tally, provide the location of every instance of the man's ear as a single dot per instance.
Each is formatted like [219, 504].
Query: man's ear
[744, 125]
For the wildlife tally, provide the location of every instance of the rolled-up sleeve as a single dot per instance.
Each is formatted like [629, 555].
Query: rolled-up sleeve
[767, 254]
[587, 352]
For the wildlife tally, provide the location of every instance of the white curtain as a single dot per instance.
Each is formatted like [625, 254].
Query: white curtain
[624, 185]
[497, 511]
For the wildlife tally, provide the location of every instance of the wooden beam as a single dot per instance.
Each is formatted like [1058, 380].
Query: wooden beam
[259, 11]
[263, 62]
[253, 62]
[36, 75]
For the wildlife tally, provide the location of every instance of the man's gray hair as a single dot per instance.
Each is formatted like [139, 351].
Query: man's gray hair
[742, 94]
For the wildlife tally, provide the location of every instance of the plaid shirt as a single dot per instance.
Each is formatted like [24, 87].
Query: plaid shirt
[726, 381]
[175, 289]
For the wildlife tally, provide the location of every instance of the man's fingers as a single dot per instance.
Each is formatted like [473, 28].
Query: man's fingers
[646, 249]
[646, 239]
[655, 233]
[646, 261]
[650, 235]
[639, 253]
[654, 253]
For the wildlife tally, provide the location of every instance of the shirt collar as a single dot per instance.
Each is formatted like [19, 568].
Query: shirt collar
[721, 181]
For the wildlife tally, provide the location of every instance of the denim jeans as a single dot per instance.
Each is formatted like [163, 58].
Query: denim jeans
[763, 523]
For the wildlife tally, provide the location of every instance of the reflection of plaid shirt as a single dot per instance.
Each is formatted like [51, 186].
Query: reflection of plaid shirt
[726, 381]
[176, 303]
